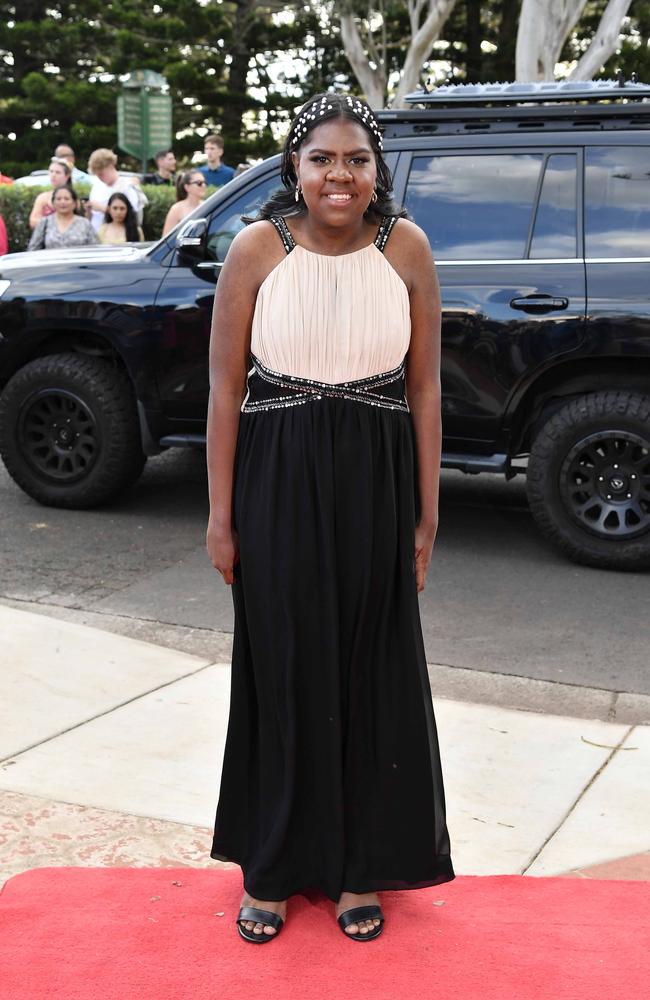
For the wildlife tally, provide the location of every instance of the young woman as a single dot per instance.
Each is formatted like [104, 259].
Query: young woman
[120, 223]
[59, 172]
[323, 468]
[190, 192]
[63, 228]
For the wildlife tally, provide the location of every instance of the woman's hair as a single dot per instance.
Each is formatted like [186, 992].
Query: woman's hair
[184, 179]
[65, 187]
[130, 219]
[318, 110]
[101, 158]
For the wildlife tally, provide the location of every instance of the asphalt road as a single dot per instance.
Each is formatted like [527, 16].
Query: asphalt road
[498, 598]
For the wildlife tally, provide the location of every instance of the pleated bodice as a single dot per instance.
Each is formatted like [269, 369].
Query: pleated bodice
[332, 318]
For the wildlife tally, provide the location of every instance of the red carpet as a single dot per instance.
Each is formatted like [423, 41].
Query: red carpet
[134, 934]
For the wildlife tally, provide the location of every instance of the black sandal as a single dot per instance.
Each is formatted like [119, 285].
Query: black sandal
[362, 913]
[260, 917]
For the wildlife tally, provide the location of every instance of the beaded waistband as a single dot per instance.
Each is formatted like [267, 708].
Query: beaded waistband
[270, 390]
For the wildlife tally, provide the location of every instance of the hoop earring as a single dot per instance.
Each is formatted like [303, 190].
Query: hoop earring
[374, 197]
[298, 191]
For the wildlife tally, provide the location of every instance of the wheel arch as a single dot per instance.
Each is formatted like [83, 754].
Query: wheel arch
[59, 340]
[536, 401]
[90, 343]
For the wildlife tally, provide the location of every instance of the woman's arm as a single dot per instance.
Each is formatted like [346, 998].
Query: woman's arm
[36, 213]
[37, 241]
[232, 317]
[423, 392]
[171, 220]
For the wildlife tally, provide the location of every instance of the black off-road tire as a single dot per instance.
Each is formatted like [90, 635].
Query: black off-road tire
[588, 479]
[69, 432]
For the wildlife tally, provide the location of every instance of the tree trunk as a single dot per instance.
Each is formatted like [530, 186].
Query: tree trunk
[473, 40]
[242, 51]
[504, 57]
[543, 29]
[604, 42]
[370, 68]
[372, 80]
[421, 43]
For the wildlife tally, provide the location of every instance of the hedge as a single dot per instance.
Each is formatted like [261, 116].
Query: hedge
[16, 203]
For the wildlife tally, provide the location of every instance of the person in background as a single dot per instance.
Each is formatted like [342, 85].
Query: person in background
[120, 223]
[65, 152]
[103, 165]
[165, 169]
[190, 192]
[4, 179]
[4, 239]
[59, 172]
[62, 228]
[215, 172]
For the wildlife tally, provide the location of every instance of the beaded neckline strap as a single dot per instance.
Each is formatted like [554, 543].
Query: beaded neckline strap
[289, 243]
[283, 229]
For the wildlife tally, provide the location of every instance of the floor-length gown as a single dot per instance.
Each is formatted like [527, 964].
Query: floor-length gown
[331, 777]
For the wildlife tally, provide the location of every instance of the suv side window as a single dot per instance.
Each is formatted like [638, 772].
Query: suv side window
[617, 211]
[555, 232]
[225, 224]
[475, 207]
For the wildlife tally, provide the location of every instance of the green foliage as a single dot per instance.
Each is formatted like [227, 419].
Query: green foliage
[241, 67]
[161, 198]
[61, 63]
[15, 205]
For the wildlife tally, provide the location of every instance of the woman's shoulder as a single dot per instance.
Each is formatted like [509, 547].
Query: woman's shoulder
[409, 235]
[257, 241]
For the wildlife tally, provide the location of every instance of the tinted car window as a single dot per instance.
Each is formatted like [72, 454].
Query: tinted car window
[474, 207]
[225, 224]
[617, 210]
[555, 232]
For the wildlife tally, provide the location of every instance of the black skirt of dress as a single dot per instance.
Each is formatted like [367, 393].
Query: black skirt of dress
[331, 777]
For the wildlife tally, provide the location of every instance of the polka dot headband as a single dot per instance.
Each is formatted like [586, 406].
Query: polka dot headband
[308, 118]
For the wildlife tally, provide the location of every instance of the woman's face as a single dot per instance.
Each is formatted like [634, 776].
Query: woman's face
[117, 210]
[196, 186]
[58, 174]
[63, 202]
[337, 171]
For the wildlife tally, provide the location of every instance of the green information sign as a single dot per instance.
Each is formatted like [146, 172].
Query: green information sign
[144, 116]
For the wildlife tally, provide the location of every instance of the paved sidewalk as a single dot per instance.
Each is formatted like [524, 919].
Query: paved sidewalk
[111, 751]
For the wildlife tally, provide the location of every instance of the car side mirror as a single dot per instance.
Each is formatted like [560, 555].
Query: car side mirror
[190, 239]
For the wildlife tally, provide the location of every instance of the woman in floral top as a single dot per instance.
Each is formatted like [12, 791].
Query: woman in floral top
[63, 228]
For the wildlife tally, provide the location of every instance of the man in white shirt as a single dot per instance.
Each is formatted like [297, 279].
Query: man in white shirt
[103, 165]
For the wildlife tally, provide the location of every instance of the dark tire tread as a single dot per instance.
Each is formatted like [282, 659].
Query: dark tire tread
[109, 394]
[577, 418]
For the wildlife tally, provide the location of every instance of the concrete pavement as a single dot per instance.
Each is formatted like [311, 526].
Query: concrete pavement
[111, 750]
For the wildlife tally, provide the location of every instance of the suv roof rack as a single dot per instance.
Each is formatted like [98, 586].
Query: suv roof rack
[482, 94]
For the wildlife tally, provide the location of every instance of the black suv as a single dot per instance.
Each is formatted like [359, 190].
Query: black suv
[536, 200]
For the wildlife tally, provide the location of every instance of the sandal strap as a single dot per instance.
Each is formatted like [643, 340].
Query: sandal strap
[260, 916]
[360, 913]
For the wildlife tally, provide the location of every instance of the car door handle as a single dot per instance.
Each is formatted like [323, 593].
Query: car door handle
[539, 303]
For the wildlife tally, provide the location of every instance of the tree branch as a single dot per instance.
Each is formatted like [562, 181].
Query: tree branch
[604, 42]
[420, 47]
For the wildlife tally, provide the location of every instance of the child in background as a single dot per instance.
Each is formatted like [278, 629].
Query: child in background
[120, 223]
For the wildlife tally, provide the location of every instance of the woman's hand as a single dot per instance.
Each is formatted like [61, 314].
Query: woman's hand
[425, 536]
[223, 548]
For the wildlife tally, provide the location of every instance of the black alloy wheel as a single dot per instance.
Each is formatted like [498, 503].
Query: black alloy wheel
[58, 435]
[69, 430]
[605, 484]
[588, 479]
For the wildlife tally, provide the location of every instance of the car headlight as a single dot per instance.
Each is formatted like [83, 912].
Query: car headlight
[4, 285]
